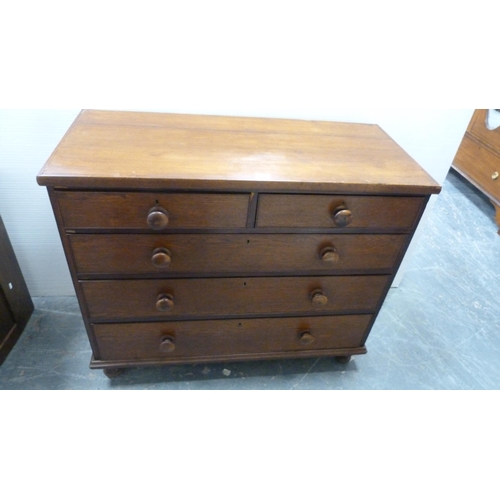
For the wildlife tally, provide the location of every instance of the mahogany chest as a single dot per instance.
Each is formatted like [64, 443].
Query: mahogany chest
[204, 238]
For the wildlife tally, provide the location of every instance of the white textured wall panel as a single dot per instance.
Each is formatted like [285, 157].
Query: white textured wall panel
[27, 138]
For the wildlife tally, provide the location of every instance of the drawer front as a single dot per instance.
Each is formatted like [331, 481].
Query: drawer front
[350, 212]
[191, 339]
[152, 211]
[228, 297]
[234, 253]
[480, 165]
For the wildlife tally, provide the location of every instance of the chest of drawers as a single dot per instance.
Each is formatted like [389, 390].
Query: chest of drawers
[200, 238]
[478, 157]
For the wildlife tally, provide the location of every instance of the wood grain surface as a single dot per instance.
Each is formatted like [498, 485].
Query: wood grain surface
[130, 210]
[208, 297]
[141, 341]
[109, 149]
[199, 254]
[315, 211]
[203, 238]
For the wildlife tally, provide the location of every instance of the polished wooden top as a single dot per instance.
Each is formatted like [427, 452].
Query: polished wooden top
[131, 150]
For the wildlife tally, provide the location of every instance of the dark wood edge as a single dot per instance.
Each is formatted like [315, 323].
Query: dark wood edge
[399, 260]
[252, 210]
[95, 364]
[215, 317]
[236, 274]
[217, 190]
[242, 230]
[155, 184]
[72, 268]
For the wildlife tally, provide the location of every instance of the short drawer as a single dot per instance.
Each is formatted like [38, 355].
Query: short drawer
[152, 211]
[219, 338]
[234, 253]
[231, 297]
[325, 211]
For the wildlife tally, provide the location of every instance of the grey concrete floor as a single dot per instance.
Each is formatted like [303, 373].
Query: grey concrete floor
[439, 330]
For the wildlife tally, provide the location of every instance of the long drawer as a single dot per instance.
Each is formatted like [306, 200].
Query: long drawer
[234, 253]
[191, 339]
[325, 211]
[152, 211]
[209, 297]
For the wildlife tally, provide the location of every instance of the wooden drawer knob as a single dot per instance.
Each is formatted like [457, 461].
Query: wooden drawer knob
[157, 218]
[318, 298]
[329, 255]
[167, 344]
[306, 338]
[161, 258]
[494, 176]
[165, 302]
[341, 216]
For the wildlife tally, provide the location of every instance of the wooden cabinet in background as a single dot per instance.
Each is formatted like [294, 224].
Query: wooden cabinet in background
[16, 305]
[478, 157]
[193, 239]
